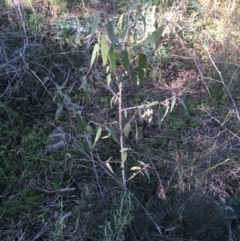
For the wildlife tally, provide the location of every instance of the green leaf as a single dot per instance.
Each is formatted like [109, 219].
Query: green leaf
[170, 229]
[124, 28]
[95, 22]
[173, 102]
[112, 59]
[89, 129]
[154, 37]
[117, 55]
[159, 115]
[198, 8]
[127, 130]
[142, 66]
[125, 60]
[180, 100]
[110, 32]
[170, 41]
[104, 49]
[86, 97]
[124, 158]
[152, 103]
[125, 114]
[94, 54]
[75, 106]
[109, 167]
[81, 124]
[147, 174]
[99, 132]
[144, 23]
[84, 145]
[109, 79]
[112, 131]
[59, 111]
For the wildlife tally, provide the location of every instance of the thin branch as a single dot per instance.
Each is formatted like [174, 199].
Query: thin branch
[202, 78]
[61, 190]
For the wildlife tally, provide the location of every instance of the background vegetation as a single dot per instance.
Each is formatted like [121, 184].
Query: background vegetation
[119, 120]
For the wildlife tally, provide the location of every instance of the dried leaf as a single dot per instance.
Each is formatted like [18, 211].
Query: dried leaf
[124, 158]
[173, 102]
[135, 168]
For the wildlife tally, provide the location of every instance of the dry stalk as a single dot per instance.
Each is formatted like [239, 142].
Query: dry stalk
[223, 83]
[121, 133]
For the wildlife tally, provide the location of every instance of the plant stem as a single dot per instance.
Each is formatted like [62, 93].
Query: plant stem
[121, 134]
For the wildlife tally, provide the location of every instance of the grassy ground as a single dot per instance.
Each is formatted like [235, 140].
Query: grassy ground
[62, 134]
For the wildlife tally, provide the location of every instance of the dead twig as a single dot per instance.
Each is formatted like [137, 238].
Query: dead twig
[59, 191]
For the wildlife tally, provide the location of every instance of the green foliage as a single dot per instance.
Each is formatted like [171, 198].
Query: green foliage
[107, 80]
[119, 218]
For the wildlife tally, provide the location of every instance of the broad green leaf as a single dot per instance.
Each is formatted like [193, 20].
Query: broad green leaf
[110, 32]
[81, 124]
[152, 103]
[198, 8]
[104, 49]
[180, 100]
[112, 59]
[95, 22]
[154, 37]
[94, 54]
[124, 158]
[127, 130]
[173, 102]
[135, 168]
[99, 131]
[125, 60]
[142, 66]
[109, 167]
